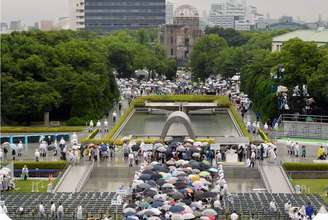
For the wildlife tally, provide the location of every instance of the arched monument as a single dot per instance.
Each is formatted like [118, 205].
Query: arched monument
[178, 116]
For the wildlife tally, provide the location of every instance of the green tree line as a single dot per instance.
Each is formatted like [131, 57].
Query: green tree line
[226, 52]
[70, 73]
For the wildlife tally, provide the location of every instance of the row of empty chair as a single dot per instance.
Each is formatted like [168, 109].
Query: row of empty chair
[100, 203]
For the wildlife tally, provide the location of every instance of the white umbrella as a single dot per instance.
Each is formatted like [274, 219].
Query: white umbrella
[208, 212]
[126, 210]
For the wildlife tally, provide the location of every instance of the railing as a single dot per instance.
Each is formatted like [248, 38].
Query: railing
[84, 178]
[62, 178]
[264, 177]
[291, 188]
[304, 118]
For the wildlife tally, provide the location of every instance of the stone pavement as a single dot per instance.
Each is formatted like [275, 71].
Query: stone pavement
[276, 180]
[73, 177]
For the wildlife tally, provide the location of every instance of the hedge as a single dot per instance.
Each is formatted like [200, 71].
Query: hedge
[264, 137]
[239, 121]
[221, 101]
[8, 129]
[119, 141]
[60, 165]
[294, 166]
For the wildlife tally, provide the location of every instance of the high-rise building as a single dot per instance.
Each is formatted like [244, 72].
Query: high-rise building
[15, 26]
[169, 13]
[47, 25]
[235, 14]
[3, 27]
[77, 13]
[109, 15]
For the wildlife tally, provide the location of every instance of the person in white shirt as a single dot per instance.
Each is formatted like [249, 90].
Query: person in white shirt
[106, 125]
[25, 172]
[273, 206]
[131, 159]
[79, 213]
[234, 216]
[41, 210]
[114, 116]
[296, 149]
[37, 155]
[91, 125]
[60, 212]
[53, 210]
[287, 207]
[20, 147]
[266, 127]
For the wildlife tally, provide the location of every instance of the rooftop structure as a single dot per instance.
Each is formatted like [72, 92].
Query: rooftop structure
[320, 37]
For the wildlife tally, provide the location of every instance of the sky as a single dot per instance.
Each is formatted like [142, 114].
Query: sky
[30, 11]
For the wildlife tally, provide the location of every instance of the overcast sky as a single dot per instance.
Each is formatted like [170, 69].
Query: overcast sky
[30, 11]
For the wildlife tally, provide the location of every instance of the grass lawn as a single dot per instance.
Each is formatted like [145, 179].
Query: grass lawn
[315, 186]
[26, 186]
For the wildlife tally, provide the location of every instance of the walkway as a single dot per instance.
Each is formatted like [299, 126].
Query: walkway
[73, 177]
[276, 179]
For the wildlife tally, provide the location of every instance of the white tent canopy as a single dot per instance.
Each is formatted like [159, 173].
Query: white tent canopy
[321, 216]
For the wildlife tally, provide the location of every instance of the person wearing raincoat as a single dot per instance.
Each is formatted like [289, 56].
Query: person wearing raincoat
[79, 213]
[321, 154]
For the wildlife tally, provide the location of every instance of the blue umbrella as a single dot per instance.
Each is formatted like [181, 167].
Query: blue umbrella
[176, 209]
[157, 204]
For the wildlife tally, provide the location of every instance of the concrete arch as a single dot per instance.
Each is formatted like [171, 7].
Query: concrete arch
[178, 116]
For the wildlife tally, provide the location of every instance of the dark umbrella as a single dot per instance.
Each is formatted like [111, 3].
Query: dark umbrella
[160, 182]
[145, 177]
[129, 213]
[149, 192]
[151, 182]
[176, 209]
[135, 147]
[144, 186]
[177, 195]
[160, 168]
[209, 194]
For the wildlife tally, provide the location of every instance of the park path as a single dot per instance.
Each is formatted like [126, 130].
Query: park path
[73, 177]
[276, 179]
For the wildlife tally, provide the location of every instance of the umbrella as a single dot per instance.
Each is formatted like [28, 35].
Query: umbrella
[181, 148]
[189, 140]
[195, 171]
[209, 194]
[126, 210]
[176, 195]
[181, 162]
[170, 162]
[209, 212]
[132, 217]
[188, 216]
[167, 185]
[145, 177]
[135, 147]
[196, 155]
[197, 144]
[194, 178]
[13, 146]
[144, 186]
[154, 218]
[149, 192]
[204, 174]
[213, 170]
[157, 145]
[129, 213]
[157, 204]
[161, 149]
[176, 209]
[147, 147]
[165, 207]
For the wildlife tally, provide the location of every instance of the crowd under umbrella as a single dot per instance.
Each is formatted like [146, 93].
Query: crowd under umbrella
[175, 189]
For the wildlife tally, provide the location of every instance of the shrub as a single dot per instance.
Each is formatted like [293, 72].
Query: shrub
[264, 137]
[60, 165]
[75, 121]
[41, 129]
[239, 121]
[293, 166]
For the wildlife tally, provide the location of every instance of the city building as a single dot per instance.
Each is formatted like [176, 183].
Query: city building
[77, 13]
[64, 23]
[286, 22]
[15, 26]
[169, 13]
[109, 15]
[178, 38]
[3, 27]
[319, 37]
[46, 25]
[235, 14]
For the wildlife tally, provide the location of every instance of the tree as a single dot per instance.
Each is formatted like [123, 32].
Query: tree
[204, 53]
[232, 37]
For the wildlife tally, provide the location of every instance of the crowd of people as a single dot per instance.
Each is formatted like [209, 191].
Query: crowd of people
[183, 183]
